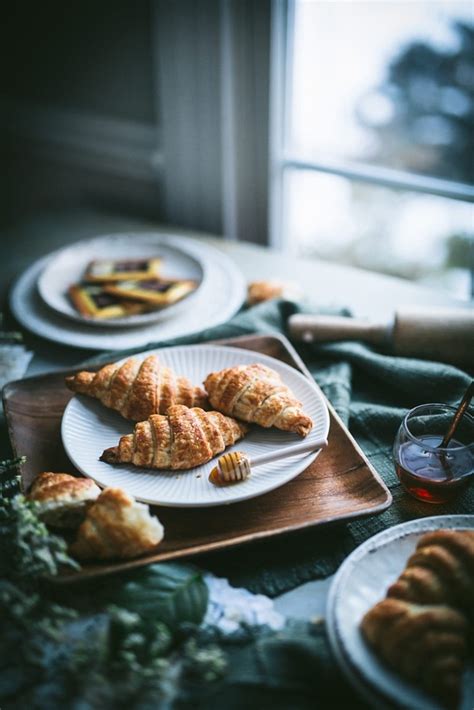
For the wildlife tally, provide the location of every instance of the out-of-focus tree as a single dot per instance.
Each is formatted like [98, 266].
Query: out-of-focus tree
[423, 113]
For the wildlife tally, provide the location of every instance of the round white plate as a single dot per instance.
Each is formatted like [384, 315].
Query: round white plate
[181, 260]
[362, 581]
[88, 428]
[218, 299]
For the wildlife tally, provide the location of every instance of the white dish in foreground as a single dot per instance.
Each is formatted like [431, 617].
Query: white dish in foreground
[362, 581]
[181, 260]
[88, 428]
[218, 299]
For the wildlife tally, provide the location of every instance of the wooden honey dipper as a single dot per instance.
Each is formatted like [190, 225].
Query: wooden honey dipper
[236, 466]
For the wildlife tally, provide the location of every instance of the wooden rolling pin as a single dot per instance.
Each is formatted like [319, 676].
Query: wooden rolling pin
[445, 334]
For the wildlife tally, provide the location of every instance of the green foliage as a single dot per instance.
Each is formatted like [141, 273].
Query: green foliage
[9, 478]
[174, 594]
[28, 551]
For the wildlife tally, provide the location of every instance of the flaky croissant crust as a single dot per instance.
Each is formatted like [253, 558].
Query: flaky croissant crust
[256, 393]
[181, 439]
[427, 644]
[116, 527]
[136, 389]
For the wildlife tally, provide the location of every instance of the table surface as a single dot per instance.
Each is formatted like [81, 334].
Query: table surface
[367, 294]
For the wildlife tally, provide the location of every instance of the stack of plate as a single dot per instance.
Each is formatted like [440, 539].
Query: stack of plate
[40, 302]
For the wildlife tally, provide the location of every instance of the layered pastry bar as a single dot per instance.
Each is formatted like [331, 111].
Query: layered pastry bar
[107, 270]
[93, 302]
[157, 292]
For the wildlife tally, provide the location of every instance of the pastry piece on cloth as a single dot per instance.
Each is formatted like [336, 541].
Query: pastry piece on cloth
[440, 571]
[62, 499]
[181, 439]
[107, 270]
[154, 292]
[259, 291]
[116, 527]
[92, 301]
[426, 644]
[137, 388]
[256, 393]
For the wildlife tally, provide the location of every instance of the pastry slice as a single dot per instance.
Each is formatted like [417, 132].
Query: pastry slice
[426, 644]
[181, 439]
[137, 388]
[116, 527]
[91, 301]
[107, 270]
[62, 499]
[155, 292]
[256, 393]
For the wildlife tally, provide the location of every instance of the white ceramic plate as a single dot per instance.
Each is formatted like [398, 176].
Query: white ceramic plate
[88, 428]
[362, 581]
[181, 260]
[219, 298]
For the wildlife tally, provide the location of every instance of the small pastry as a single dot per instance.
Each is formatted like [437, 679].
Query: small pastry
[181, 439]
[62, 499]
[116, 527]
[256, 393]
[137, 388]
[91, 301]
[259, 291]
[426, 644]
[440, 571]
[106, 270]
[156, 292]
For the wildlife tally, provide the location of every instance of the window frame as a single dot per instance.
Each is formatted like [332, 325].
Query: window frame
[281, 159]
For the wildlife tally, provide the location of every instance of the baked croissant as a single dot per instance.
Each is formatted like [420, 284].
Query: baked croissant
[62, 499]
[256, 393]
[441, 571]
[137, 388]
[116, 526]
[181, 439]
[425, 644]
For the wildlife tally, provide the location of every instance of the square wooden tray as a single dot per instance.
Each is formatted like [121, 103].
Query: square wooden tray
[339, 485]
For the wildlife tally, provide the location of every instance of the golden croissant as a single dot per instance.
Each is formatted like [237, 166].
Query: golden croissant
[182, 438]
[441, 571]
[426, 644]
[116, 526]
[137, 388]
[256, 393]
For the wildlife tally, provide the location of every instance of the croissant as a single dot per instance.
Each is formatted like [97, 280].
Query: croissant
[116, 526]
[425, 644]
[136, 389]
[181, 439]
[441, 571]
[62, 499]
[256, 393]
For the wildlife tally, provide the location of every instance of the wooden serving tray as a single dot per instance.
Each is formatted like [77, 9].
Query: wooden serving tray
[340, 484]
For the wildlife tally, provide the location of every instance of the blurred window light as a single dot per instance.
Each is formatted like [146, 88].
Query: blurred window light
[385, 85]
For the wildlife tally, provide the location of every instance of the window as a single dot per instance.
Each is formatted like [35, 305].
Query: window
[373, 157]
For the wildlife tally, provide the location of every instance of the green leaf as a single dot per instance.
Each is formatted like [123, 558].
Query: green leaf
[170, 593]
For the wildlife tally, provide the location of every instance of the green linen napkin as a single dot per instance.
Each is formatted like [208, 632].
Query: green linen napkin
[371, 392]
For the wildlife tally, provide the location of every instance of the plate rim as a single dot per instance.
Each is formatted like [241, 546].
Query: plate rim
[305, 461]
[23, 287]
[353, 671]
[186, 247]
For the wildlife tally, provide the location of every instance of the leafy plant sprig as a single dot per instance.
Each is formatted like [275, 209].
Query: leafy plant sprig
[10, 483]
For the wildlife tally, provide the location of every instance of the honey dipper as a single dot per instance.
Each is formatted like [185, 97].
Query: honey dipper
[236, 466]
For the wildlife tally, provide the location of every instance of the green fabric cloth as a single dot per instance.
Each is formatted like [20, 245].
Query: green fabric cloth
[371, 392]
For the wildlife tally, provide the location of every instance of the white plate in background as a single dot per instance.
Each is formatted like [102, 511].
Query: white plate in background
[181, 260]
[88, 428]
[361, 581]
[219, 298]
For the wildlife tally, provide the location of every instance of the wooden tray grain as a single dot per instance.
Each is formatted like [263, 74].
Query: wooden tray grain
[340, 484]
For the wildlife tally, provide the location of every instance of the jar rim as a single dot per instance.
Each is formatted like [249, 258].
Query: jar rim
[419, 407]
